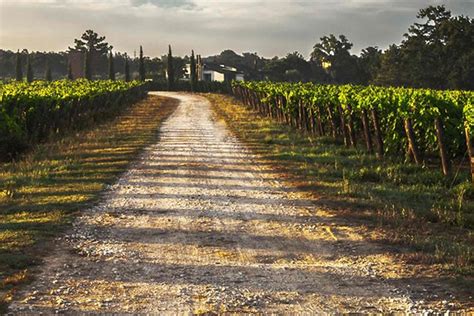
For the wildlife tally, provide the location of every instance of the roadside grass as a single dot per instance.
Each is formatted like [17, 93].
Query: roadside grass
[42, 193]
[410, 205]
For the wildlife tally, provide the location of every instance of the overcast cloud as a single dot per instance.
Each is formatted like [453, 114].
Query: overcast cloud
[268, 27]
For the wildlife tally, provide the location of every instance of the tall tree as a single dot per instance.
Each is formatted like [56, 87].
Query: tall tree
[297, 68]
[369, 63]
[69, 71]
[47, 75]
[437, 52]
[87, 66]
[18, 70]
[127, 70]
[293, 68]
[391, 64]
[91, 42]
[111, 67]
[141, 66]
[29, 69]
[94, 48]
[193, 73]
[333, 54]
[170, 69]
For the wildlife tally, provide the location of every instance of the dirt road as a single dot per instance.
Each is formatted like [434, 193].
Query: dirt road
[198, 225]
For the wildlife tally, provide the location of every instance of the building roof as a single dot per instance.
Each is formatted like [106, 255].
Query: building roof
[221, 68]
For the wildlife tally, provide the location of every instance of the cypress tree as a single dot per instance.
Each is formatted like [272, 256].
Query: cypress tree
[111, 67]
[141, 68]
[192, 75]
[87, 66]
[29, 70]
[170, 70]
[69, 71]
[47, 74]
[127, 70]
[18, 70]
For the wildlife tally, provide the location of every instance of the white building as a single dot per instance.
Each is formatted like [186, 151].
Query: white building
[220, 73]
[216, 72]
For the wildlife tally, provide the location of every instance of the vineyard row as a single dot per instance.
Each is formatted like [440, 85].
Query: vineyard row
[419, 123]
[31, 112]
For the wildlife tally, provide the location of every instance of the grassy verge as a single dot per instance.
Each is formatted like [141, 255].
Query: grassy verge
[412, 205]
[41, 193]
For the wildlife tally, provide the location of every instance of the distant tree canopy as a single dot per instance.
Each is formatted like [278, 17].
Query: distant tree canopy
[89, 42]
[333, 54]
[437, 52]
[292, 68]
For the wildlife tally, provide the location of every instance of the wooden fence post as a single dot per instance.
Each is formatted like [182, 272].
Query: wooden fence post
[378, 133]
[442, 147]
[332, 120]
[344, 127]
[411, 141]
[352, 136]
[365, 125]
[470, 150]
[312, 121]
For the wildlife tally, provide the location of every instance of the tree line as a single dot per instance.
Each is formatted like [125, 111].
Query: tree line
[437, 52]
[107, 65]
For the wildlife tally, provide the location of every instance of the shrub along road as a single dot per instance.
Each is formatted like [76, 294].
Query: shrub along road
[198, 224]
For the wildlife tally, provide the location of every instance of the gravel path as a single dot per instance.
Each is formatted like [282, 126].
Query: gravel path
[198, 225]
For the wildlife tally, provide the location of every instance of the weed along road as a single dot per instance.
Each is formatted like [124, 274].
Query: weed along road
[198, 225]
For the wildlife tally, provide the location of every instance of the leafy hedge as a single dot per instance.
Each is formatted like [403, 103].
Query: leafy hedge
[31, 112]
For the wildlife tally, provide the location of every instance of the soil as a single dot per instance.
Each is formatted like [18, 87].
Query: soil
[198, 225]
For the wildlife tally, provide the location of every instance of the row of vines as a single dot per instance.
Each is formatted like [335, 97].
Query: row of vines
[425, 125]
[32, 112]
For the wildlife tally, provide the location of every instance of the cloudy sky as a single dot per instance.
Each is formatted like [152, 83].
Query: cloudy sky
[268, 27]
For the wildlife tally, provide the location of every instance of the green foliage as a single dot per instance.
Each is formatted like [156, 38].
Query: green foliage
[422, 106]
[335, 53]
[438, 52]
[369, 64]
[30, 112]
[90, 42]
[293, 68]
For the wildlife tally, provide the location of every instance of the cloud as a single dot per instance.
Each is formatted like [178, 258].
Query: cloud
[164, 3]
[269, 27]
